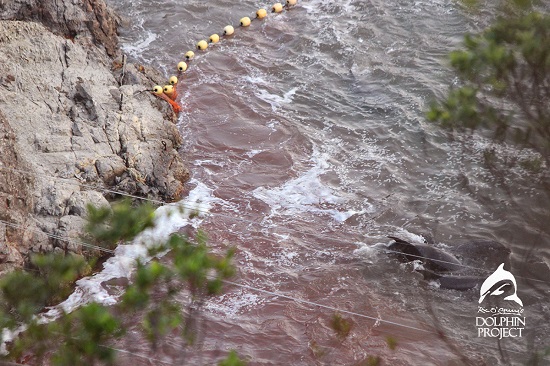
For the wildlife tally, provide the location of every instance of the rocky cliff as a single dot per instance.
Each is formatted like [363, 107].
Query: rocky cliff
[73, 117]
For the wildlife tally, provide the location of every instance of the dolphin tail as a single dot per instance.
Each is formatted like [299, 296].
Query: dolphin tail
[515, 298]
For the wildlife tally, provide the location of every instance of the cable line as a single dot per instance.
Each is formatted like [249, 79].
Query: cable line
[298, 300]
[376, 319]
[68, 240]
[169, 93]
[251, 222]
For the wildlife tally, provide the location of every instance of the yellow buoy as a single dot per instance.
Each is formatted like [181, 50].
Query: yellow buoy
[214, 38]
[245, 22]
[202, 45]
[168, 89]
[173, 80]
[277, 8]
[261, 13]
[182, 66]
[157, 89]
[291, 2]
[228, 30]
[189, 55]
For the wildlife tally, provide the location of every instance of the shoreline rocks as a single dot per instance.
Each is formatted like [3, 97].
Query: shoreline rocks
[74, 116]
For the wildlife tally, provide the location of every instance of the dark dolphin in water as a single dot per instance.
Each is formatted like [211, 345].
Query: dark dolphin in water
[433, 259]
[459, 268]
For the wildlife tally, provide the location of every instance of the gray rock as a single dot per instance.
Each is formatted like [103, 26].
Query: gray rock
[72, 228]
[63, 114]
[71, 19]
[109, 168]
[78, 202]
[53, 198]
[9, 256]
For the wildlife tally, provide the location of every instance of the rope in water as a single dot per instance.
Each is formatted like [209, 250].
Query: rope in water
[169, 91]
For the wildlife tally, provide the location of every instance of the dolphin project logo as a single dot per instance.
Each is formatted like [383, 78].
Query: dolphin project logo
[503, 320]
[499, 276]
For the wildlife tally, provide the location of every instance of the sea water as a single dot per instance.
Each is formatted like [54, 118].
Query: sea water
[307, 140]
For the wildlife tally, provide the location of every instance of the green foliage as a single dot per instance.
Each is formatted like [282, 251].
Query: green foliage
[317, 350]
[164, 317]
[232, 360]
[137, 295]
[391, 342]
[80, 338]
[534, 165]
[84, 334]
[59, 272]
[23, 294]
[203, 272]
[340, 325]
[373, 361]
[193, 268]
[505, 76]
[121, 223]
[38, 339]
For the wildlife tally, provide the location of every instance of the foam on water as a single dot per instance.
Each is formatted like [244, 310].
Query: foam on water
[276, 101]
[374, 153]
[137, 49]
[305, 193]
[168, 219]
[407, 235]
[229, 305]
[253, 153]
[368, 252]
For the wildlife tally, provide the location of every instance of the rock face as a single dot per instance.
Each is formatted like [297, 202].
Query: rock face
[72, 119]
[15, 197]
[71, 19]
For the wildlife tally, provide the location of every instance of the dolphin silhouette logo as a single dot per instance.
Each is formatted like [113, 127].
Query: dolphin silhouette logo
[499, 275]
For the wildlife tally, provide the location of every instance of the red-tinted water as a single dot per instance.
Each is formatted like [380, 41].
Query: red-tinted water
[308, 127]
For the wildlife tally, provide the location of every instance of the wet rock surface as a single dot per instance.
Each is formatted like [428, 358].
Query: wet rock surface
[73, 120]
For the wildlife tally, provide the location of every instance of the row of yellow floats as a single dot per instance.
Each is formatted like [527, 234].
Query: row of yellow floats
[169, 92]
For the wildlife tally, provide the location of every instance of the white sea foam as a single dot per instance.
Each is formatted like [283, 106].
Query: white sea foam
[232, 304]
[276, 101]
[305, 193]
[256, 80]
[137, 49]
[253, 153]
[412, 237]
[368, 252]
[168, 219]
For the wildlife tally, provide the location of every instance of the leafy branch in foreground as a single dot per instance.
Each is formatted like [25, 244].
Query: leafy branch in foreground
[505, 83]
[24, 294]
[190, 271]
[193, 270]
[121, 223]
